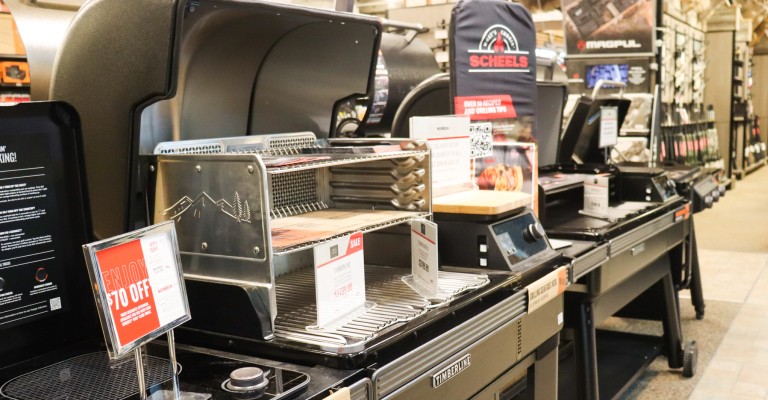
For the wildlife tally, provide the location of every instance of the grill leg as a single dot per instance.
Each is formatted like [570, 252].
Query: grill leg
[586, 354]
[673, 335]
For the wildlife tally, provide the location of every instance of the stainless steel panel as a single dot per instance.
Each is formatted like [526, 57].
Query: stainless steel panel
[590, 261]
[431, 356]
[361, 390]
[219, 205]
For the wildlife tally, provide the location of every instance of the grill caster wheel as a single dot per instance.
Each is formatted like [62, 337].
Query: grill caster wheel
[690, 359]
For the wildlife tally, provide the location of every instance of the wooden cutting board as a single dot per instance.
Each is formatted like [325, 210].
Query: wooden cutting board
[480, 202]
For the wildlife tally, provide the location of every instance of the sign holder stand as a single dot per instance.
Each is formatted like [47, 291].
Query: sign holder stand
[151, 253]
[174, 364]
[138, 354]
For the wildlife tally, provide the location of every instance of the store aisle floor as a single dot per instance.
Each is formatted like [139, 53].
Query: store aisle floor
[733, 239]
[733, 337]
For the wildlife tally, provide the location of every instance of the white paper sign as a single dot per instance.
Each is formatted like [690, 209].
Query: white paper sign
[424, 256]
[163, 278]
[609, 126]
[449, 142]
[339, 278]
[547, 288]
[596, 195]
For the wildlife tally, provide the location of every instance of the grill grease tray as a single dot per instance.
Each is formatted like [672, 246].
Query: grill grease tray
[389, 301]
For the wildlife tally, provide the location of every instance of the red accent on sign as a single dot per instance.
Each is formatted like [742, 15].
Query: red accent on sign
[485, 107]
[126, 282]
[424, 237]
[355, 243]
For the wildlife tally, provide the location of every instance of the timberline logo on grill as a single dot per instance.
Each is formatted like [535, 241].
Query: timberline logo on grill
[450, 371]
[498, 51]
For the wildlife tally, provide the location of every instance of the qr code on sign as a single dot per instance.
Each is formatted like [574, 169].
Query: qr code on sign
[55, 303]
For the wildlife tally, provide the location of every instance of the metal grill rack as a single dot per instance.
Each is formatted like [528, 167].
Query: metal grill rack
[86, 377]
[390, 301]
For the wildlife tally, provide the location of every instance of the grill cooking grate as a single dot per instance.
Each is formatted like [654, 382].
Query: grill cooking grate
[390, 301]
[89, 376]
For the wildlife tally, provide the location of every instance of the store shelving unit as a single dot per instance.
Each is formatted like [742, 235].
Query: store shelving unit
[11, 92]
[728, 36]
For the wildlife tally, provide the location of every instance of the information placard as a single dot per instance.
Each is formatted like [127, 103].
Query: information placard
[32, 215]
[138, 285]
[339, 278]
[450, 145]
[424, 257]
[609, 126]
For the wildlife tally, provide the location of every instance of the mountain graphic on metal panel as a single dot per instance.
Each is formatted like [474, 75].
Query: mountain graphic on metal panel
[238, 209]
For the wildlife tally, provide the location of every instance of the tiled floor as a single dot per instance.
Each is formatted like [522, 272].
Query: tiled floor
[739, 368]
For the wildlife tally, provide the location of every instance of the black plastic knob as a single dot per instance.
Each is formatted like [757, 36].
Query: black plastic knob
[534, 232]
[715, 195]
[721, 189]
[247, 380]
[708, 201]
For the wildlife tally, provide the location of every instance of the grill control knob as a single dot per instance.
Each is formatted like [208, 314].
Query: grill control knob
[708, 201]
[534, 232]
[721, 189]
[247, 380]
[715, 195]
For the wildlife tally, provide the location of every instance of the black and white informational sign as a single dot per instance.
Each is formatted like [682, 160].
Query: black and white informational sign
[31, 285]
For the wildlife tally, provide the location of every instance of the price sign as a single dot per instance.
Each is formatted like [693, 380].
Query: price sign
[424, 257]
[609, 126]
[138, 285]
[339, 278]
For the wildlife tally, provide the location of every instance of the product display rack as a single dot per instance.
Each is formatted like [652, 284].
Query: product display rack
[728, 36]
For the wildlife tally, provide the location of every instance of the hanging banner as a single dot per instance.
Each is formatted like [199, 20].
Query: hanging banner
[493, 66]
[609, 26]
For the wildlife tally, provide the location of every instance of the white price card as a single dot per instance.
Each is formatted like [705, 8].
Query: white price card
[609, 126]
[424, 257]
[339, 278]
[547, 288]
[596, 195]
[138, 285]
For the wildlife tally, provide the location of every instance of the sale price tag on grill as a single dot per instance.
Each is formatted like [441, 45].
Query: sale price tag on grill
[339, 278]
[138, 285]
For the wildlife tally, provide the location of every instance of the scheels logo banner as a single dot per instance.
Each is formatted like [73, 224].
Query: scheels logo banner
[498, 51]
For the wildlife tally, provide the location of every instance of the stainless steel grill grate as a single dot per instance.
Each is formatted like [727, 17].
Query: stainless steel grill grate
[86, 377]
[292, 189]
[213, 148]
[390, 301]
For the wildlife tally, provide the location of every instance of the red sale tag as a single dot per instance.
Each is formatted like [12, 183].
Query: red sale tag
[126, 282]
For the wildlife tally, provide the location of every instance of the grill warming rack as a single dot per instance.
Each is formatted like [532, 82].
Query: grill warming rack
[247, 215]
